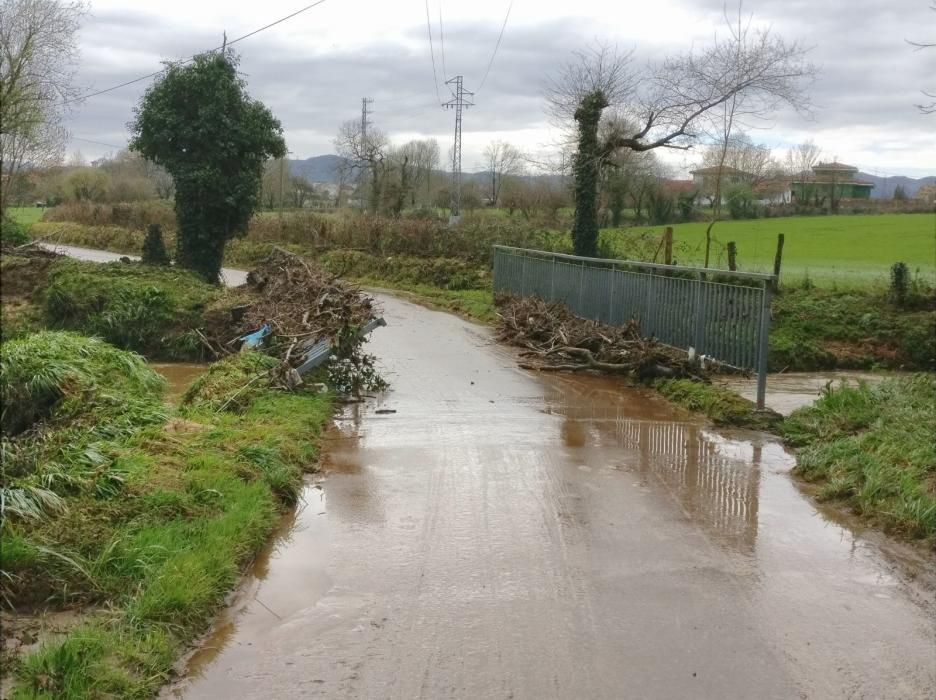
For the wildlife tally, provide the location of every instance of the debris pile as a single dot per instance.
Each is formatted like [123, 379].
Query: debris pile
[557, 340]
[291, 307]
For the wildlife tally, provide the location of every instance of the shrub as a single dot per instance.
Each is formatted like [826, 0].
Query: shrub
[899, 282]
[12, 233]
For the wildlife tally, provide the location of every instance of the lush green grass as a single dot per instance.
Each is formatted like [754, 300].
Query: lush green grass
[134, 306]
[25, 215]
[873, 449]
[721, 405]
[160, 550]
[847, 250]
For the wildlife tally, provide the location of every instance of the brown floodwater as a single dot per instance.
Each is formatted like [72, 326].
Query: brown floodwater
[509, 535]
[791, 390]
[178, 376]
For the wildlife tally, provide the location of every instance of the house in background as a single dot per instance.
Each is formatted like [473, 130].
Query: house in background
[831, 182]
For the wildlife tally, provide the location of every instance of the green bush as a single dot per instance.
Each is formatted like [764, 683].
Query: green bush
[154, 249]
[12, 233]
[445, 273]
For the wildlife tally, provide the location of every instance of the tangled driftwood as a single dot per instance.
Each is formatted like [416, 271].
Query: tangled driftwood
[556, 340]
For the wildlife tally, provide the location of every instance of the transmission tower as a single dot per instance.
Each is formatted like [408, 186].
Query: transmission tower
[458, 102]
[365, 101]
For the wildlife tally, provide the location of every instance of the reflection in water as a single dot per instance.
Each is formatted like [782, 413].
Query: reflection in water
[714, 486]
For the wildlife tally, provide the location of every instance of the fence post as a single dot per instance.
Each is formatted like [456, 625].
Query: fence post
[552, 280]
[763, 344]
[668, 246]
[778, 259]
[698, 335]
[523, 259]
[611, 295]
[732, 256]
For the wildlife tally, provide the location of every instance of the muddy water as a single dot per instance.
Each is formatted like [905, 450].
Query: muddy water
[230, 276]
[504, 535]
[178, 376]
[789, 391]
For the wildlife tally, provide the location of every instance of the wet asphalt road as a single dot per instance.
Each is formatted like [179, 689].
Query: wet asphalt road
[506, 535]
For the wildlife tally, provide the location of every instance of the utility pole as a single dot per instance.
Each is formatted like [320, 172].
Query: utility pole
[364, 153]
[458, 102]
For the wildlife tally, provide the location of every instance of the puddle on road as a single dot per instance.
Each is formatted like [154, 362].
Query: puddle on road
[178, 376]
[296, 552]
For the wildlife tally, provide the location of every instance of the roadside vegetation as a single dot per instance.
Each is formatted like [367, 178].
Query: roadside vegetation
[721, 405]
[872, 449]
[142, 520]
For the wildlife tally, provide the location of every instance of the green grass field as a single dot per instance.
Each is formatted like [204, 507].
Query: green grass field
[26, 215]
[847, 251]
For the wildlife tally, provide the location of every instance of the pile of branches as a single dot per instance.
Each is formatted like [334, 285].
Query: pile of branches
[300, 302]
[556, 340]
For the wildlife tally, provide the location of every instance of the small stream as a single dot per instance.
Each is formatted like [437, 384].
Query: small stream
[178, 375]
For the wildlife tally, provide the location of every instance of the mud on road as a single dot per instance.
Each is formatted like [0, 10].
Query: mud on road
[506, 535]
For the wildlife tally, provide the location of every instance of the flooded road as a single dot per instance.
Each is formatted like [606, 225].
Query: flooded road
[507, 535]
[230, 276]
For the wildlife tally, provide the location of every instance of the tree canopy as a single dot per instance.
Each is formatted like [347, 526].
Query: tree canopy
[199, 123]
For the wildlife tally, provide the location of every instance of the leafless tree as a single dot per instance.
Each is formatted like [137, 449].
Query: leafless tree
[38, 51]
[363, 155]
[743, 76]
[501, 160]
[423, 156]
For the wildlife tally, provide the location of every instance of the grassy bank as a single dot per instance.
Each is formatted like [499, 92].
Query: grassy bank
[872, 449]
[721, 405]
[150, 524]
[152, 310]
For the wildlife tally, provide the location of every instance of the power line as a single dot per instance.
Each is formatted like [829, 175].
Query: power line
[97, 143]
[435, 77]
[189, 60]
[442, 41]
[496, 46]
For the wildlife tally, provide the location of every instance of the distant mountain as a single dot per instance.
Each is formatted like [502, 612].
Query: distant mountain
[884, 186]
[317, 168]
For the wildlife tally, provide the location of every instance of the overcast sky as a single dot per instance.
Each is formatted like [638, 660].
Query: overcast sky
[313, 70]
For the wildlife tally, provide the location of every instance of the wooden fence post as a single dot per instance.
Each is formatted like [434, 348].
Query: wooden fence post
[778, 258]
[668, 246]
[732, 256]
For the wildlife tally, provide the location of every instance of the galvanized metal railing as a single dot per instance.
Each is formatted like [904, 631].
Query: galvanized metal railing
[723, 315]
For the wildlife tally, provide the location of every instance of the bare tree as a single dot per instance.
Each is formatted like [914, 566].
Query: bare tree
[747, 74]
[502, 160]
[38, 51]
[363, 155]
[799, 163]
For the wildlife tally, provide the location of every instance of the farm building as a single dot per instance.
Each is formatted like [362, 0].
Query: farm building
[830, 181]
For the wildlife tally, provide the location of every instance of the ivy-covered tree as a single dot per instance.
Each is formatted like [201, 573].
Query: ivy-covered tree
[199, 123]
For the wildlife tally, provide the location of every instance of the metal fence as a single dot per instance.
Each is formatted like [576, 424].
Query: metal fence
[723, 315]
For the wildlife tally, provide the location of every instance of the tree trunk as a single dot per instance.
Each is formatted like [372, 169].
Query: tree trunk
[587, 167]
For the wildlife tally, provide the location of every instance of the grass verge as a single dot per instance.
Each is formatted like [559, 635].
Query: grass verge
[872, 448]
[189, 503]
[722, 406]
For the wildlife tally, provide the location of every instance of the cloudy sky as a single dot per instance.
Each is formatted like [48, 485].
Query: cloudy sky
[313, 70]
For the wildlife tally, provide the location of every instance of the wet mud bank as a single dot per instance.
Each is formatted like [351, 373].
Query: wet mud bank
[503, 534]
